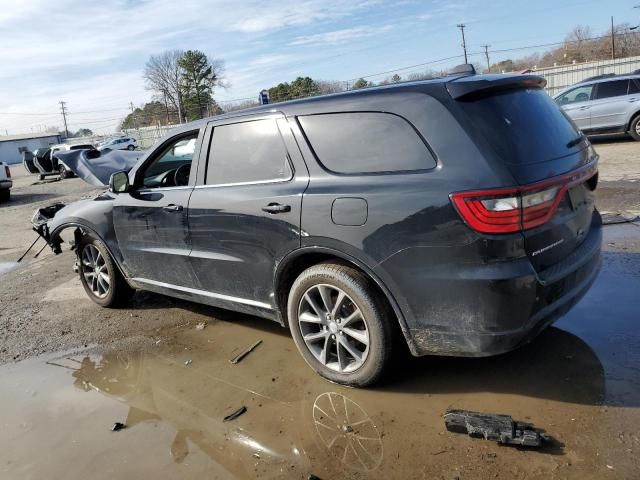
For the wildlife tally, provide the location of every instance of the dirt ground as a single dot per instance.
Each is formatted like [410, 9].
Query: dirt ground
[71, 369]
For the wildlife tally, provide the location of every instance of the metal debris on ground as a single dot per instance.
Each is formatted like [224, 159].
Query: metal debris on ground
[236, 414]
[188, 362]
[500, 428]
[244, 353]
[201, 326]
[117, 426]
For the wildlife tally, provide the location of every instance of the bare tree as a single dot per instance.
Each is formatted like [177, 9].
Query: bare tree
[162, 74]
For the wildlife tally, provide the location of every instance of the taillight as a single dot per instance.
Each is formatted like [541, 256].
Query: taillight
[7, 171]
[510, 210]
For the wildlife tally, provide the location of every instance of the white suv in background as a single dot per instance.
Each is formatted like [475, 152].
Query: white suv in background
[122, 143]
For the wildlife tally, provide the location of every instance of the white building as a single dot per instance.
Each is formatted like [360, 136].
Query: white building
[12, 146]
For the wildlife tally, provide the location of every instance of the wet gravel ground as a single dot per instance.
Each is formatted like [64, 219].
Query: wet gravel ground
[149, 367]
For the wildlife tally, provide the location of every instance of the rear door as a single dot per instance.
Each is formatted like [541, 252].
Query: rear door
[610, 104]
[244, 214]
[577, 104]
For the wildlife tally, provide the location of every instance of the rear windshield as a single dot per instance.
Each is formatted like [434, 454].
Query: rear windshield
[522, 126]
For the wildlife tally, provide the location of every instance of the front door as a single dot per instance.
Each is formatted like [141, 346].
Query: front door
[244, 213]
[151, 222]
[577, 104]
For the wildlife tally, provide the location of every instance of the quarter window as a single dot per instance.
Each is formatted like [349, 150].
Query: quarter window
[366, 142]
[617, 88]
[247, 152]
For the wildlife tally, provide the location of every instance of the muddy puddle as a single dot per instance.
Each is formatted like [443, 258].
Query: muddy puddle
[7, 267]
[578, 381]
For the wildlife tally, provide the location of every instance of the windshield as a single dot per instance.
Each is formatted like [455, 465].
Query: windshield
[522, 126]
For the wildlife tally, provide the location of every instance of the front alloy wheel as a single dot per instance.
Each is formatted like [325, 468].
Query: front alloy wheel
[99, 275]
[95, 271]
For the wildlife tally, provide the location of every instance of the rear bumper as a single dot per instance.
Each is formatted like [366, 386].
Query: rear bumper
[492, 310]
[6, 184]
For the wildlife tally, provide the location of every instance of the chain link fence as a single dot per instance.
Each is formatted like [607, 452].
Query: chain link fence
[146, 137]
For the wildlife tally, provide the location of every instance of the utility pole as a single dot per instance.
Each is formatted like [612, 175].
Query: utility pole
[63, 110]
[613, 42]
[461, 26]
[486, 54]
[133, 115]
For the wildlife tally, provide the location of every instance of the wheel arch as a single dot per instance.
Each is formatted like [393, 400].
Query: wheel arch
[55, 240]
[632, 117]
[296, 262]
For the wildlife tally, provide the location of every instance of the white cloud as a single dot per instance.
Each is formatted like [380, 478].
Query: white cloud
[339, 36]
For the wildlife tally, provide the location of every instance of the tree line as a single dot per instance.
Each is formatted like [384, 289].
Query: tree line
[580, 45]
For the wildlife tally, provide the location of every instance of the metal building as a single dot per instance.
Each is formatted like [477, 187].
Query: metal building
[12, 146]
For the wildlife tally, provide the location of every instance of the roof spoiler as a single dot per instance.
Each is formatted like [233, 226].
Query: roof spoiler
[470, 86]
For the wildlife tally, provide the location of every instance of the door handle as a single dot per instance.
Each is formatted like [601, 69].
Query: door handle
[276, 208]
[173, 208]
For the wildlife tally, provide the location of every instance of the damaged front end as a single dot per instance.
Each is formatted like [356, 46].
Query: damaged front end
[40, 222]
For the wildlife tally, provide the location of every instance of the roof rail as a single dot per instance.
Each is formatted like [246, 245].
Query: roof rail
[598, 77]
[464, 69]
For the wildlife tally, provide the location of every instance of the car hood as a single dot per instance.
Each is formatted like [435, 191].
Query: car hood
[96, 166]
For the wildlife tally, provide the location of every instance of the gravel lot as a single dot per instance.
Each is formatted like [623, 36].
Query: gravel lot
[148, 365]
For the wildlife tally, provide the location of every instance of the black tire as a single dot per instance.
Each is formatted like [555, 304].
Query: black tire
[62, 172]
[41, 177]
[131, 147]
[634, 129]
[360, 294]
[5, 195]
[118, 291]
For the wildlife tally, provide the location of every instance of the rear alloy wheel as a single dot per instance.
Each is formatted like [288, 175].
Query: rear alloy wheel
[339, 324]
[99, 275]
[131, 147]
[634, 131]
[62, 172]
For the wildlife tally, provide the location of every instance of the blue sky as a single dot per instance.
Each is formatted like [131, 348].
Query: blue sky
[91, 54]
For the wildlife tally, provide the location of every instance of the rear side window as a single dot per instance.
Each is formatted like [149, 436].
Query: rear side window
[247, 152]
[633, 87]
[617, 88]
[366, 142]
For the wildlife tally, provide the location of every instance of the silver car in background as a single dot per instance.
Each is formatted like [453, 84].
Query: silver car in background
[604, 104]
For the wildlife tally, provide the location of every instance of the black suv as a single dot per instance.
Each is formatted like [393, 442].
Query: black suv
[457, 213]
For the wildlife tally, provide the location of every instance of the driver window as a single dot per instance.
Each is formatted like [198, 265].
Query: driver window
[580, 94]
[173, 166]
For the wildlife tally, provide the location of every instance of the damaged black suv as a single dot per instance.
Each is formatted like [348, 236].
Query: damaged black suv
[457, 213]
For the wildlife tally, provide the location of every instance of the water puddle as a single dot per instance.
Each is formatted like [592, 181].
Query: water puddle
[7, 266]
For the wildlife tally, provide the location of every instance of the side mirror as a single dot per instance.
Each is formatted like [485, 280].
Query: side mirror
[119, 182]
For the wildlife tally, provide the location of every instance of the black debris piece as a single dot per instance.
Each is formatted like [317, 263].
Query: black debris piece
[489, 426]
[312, 477]
[117, 426]
[236, 414]
[244, 353]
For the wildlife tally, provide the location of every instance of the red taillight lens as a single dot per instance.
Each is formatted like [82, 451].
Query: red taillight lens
[510, 210]
[7, 171]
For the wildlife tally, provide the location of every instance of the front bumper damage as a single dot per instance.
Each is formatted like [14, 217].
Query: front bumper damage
[40, 222]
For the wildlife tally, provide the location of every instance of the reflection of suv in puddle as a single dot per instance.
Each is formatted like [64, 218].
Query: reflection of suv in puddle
[458, 213]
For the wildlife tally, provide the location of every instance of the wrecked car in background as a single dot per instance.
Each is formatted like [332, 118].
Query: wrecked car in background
[46, 161]
[457, 213]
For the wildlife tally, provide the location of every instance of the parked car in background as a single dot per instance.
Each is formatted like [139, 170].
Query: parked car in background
[121, 143]
[58, 165]
[457, 213]
[43, 161]
[604, 105]
[5, 182]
